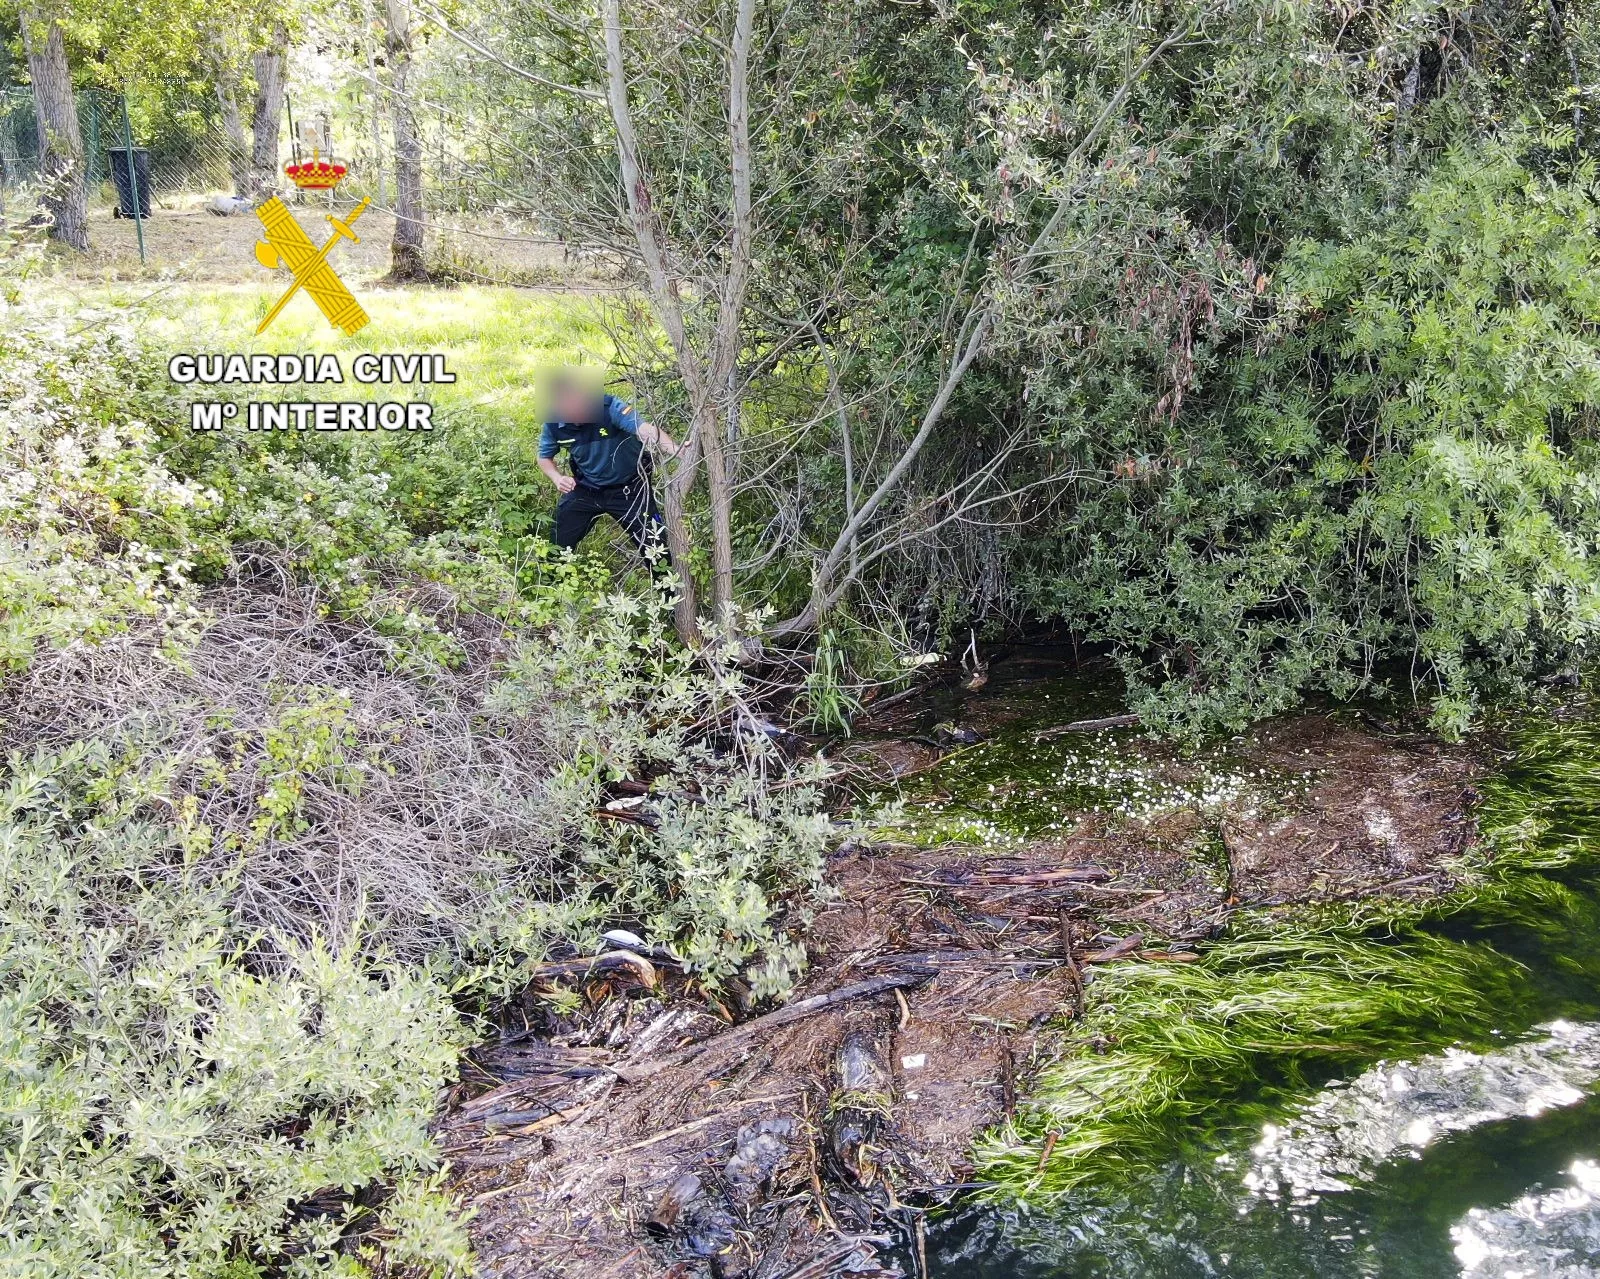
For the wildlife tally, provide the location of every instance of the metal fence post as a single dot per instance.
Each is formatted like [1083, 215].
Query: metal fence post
[133, 175]
[94, 137]
[294, 138]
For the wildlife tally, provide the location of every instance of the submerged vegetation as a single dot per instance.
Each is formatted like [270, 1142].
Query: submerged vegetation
[1168, 1053]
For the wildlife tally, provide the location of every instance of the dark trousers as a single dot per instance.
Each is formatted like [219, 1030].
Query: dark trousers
[632, 505]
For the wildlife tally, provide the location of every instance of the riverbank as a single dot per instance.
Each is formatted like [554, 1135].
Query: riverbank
[649, 1127]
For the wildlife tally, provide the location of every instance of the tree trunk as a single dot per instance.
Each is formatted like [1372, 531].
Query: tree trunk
[668, 305]
[373, 87]
[225, 82]
[711, 383]
[268, 65]
[725, 343]
[405, 257]
[65, 197]
[1558, 29]
[238, 148]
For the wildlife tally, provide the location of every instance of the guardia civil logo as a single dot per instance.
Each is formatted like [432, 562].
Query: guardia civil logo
[287, 245]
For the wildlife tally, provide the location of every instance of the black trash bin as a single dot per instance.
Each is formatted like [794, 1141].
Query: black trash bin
[119, 175]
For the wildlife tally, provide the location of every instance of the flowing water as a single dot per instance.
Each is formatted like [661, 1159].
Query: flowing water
[1478, 1159]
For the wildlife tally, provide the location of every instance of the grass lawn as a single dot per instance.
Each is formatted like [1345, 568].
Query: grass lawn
[496, 339]
[476, 469]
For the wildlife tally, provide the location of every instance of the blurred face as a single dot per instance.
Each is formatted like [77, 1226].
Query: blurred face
[570, 395]
[574, 404]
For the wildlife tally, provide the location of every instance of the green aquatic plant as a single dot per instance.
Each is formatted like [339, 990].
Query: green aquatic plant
[1168, 1051]
[1165, 1043]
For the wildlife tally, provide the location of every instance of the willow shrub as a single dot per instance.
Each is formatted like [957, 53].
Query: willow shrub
[1392, 461]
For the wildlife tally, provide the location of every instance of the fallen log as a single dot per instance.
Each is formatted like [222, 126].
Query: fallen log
[1129, 720]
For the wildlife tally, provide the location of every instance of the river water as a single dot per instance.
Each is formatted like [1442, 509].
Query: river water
[1479, 1159]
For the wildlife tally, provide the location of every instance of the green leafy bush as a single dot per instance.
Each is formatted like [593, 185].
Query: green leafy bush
[169, 1108]
[1400, 469]
[95, 530]
[731, 860]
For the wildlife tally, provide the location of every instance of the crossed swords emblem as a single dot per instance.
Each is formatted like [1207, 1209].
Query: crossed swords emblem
[288, 245]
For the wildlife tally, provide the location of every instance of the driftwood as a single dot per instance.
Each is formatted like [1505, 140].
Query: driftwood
[1069, 956]
[551, 1119]
[894, 699]
[490, 1106]
[1050, 1139]
[1006, 879]
[1118, 950]
[1008, 1078]
[1170, 956]
[1129, 720]
[924, 963]
[792, 1012]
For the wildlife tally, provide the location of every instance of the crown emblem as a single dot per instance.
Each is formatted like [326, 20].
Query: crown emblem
[315, 174]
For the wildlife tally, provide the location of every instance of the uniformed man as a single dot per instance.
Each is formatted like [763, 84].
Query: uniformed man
[605, 446]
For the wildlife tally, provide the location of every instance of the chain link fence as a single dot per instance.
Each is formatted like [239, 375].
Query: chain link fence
[478, 229]
[189, 151]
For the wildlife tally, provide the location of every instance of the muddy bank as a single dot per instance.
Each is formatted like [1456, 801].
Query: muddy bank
[649, 1131]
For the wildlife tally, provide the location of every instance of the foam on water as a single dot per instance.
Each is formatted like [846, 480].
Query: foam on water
[1396, 1109]
[1550, 1235]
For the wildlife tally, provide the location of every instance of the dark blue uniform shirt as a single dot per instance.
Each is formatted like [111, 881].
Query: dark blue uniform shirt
[603, 453]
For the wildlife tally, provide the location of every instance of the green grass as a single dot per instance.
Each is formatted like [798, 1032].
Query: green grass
[1170, 1052]
[496, 337]
[476, 470]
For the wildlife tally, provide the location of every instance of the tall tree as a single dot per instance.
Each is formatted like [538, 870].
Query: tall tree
[708, 373]
[61, 167]
[406, 260]
[268, 65]
[225, 84]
